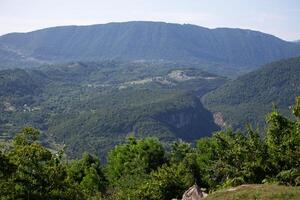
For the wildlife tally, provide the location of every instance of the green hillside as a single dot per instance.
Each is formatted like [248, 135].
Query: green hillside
[93, 106]
[248, 98]
[257, 192]
[229, 164]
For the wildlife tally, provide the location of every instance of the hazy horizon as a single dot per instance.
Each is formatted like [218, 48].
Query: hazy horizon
[279, 18]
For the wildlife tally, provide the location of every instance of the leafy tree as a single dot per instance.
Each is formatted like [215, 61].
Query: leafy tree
[166, 183]
[7, 169]
[183, 153]
[134, 157]
[87, 174]
[179, 149]
[254, 166]
[283, 143]
[38, 173]
[229, 159]
[130, 164]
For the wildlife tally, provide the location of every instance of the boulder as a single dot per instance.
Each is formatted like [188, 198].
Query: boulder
[194, 193]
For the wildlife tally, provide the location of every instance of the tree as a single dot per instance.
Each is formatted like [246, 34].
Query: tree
[38, 173]
[7, 169]
[183, 153]
[229, 159]
[179, 150]
[166, 183]
[87, 174]
[130, 164]
[134, 157]
[283, 143]
[282, 140]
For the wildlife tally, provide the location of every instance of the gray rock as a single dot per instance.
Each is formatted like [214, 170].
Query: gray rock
[194, 193]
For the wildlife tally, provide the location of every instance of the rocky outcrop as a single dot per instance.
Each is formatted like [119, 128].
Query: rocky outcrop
[181, 119]
[194, 193]
[190, 122]
[219, 120]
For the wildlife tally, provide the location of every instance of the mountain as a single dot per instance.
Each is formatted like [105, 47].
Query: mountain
[13, 59]
[146, 41]
[248, 98]
[91, 106]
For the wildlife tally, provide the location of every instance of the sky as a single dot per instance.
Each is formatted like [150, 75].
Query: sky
[277, 17]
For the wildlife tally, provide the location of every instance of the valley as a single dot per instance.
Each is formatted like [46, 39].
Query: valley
[146, 110]
[94, 106]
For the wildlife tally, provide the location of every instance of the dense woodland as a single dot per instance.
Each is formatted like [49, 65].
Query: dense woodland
[92, 106]
[248, 98]
[144, 169]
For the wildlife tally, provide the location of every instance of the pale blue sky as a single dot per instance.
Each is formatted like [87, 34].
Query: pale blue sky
[277, 17]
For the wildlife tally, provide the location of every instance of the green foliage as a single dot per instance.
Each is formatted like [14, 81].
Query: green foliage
[224, 160]
[87, 173]
[283, 142]
[230, 159]
[30, 171]
[296, 108]
[179, 150]
[130, 164]
[289, 177]
[92, 106]
[143, 169]
[140, 169]
[167, 182]
[134, 157]
[247, 99]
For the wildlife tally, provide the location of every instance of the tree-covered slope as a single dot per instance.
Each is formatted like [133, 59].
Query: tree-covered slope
[90, 106]
[229, 165]
[18, 82]
[250, 97]
[150, 41]
[13, 58]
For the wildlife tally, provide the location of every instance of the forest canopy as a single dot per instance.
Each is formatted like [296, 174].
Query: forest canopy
[144, 169]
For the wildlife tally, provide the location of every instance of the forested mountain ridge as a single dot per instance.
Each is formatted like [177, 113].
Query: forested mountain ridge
[146, 41]
[248, 98]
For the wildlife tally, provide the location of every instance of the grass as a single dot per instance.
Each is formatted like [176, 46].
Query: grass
[257, 192]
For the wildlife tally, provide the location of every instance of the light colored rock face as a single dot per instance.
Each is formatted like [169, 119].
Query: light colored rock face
[8, 107]
[219, 120]
[194, 193]
[179, 75]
